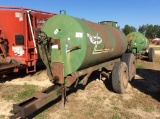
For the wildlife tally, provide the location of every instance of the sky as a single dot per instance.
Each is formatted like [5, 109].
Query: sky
[126, 12]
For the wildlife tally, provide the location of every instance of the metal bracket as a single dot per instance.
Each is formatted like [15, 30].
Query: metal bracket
[58, 72]
[37, 101]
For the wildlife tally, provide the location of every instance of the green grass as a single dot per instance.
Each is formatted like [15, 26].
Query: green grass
[116, 108]
[89, 114]
[24, 92]
[42, 116]
[2, 116]
[148, 109]
[140, 66]
[116, 117]
[71, 116]
[130, 104]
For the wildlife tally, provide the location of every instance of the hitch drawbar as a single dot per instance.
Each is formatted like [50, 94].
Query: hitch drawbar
[37, 101]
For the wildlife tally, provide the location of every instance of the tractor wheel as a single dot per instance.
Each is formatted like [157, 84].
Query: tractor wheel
[120, 77]
[130, 60]
[151, 54]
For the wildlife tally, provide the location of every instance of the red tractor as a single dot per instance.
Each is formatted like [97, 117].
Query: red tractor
[18, 47]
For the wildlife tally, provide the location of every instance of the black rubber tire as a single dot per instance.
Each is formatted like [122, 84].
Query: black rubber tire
[120, 77]
[130, 60]
[151, 55]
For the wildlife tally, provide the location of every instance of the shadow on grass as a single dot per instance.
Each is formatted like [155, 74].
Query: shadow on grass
[150, 84]
[22, 73]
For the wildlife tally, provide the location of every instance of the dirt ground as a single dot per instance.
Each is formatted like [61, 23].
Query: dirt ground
[94, 101]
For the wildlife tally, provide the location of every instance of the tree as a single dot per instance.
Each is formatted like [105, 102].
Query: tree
[142, 29]
[150, 31]
[156, 31]
[128, 29]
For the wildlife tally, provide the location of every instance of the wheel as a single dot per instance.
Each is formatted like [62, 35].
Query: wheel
[120, 77]
[151, 54]
[130, 60]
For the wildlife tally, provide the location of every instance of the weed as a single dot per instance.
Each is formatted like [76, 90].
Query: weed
[148, 109]
[42, 116]
[140, 66]
[89, 114]
[61, 118]
[71, 116]
[2, 116]
[131, 104]
[23, 92]
[116, 108]
[97, 99]
[116, 117]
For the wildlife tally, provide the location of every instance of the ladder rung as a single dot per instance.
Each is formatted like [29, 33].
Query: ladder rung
[31, 47]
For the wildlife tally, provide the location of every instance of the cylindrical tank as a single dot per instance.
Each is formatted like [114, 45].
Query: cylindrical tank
[137, 42]
[82, 43]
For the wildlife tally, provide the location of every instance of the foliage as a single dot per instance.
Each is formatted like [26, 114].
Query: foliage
[150, 31]
[128, 29]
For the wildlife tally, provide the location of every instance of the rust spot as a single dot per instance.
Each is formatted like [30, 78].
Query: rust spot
[58, 72]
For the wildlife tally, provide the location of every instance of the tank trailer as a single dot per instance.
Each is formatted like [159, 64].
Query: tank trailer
[73, 48]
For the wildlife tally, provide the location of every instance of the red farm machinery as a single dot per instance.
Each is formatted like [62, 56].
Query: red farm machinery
[18, 49]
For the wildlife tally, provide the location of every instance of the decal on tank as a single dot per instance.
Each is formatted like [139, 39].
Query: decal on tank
[98, 40]
[94, 39]
[54, 46]
[56, 31]
[95, 51]
[79, 35]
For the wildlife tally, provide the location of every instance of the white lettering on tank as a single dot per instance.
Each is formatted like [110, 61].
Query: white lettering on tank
[56, 31]
[98, 40]
[94, 39]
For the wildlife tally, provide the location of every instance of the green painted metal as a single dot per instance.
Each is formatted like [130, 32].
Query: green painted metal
[83, 43]
[137, 42]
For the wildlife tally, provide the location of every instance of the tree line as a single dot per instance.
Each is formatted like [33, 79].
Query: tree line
[150, 31]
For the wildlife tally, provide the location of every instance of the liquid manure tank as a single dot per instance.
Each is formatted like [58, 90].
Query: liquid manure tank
[139, 44]
[72, 48]
[82, 43]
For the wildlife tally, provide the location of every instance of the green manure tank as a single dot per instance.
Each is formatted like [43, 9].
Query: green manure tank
[73, 48]
[138, 44]
[82, 43]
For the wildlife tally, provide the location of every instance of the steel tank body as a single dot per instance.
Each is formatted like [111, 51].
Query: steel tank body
[82, 43]
[137, 42]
